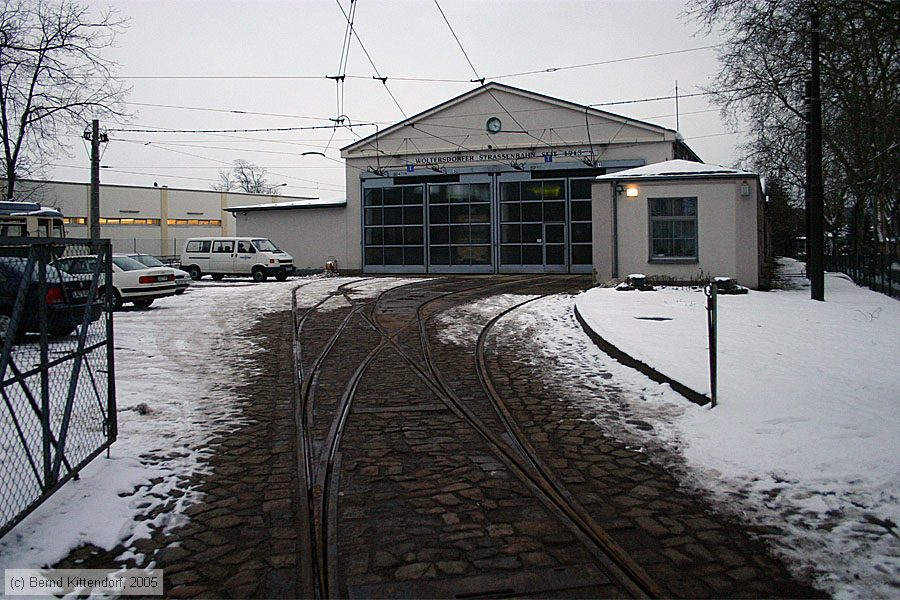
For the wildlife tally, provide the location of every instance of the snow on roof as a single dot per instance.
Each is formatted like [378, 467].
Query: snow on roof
[677, 168]
[308, 203]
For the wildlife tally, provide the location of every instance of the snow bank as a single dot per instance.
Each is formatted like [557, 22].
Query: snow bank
[808, 425]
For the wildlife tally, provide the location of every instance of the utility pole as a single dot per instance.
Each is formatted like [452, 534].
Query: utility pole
[677, 119]
[95, 137]
[815, 260]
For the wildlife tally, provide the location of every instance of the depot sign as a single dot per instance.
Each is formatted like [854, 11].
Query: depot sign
[480, 157]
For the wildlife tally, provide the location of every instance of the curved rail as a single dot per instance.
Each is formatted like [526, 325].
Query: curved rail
[563, 498]
[319, 482]
[518, 455]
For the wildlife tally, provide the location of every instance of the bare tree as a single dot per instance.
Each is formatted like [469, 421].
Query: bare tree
[53, 79]
[765, 62]
[246, 177]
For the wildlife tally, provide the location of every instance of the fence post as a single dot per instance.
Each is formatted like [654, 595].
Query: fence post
[42, 258]
[711, 291]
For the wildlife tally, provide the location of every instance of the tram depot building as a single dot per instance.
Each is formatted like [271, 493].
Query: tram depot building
[502, 180]
[496, 180]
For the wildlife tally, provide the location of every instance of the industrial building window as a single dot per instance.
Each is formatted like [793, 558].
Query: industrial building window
[394, 225]
[673, 229]
[204, 222]
[580, 217]
[111, 221]
[459, 218]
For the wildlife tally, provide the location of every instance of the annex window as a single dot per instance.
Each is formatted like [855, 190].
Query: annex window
[673, 229]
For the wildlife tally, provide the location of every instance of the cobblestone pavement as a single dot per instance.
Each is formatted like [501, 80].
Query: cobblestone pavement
[408, 498]
[419, 504]
[241, 540]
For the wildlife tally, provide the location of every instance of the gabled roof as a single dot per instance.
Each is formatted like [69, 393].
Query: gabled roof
[674, 169]
[492, 86]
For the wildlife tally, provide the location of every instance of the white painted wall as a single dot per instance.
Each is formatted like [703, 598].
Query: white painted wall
[727, 223]
[309, 235]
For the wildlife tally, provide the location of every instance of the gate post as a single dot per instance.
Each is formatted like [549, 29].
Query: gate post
[711, 291]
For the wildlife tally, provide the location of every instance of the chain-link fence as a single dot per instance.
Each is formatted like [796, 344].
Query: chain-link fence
[169, 248]
[57, 387]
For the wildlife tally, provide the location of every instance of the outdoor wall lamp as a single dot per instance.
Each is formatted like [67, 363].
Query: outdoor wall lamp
[631, 192]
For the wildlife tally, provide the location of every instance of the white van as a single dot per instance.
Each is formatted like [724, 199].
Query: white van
[220, 256]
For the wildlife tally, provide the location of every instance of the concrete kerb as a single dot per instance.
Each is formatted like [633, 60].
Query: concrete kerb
[629, 361]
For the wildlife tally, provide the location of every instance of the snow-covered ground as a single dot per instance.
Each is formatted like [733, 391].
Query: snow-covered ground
[179, 358]
[806, 436]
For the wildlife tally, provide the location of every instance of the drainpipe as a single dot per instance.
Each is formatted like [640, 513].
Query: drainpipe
[614, 194]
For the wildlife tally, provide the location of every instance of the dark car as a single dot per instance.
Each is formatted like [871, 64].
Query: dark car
[65, 299]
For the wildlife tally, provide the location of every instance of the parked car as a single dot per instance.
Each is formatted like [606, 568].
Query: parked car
[132, 281]
[65, 299]
[182, 278]
[220, 256]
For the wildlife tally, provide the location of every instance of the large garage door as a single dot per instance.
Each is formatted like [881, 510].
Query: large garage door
[394, 229]
[459, 228]
[580, 225]
[533, 226]
[515, 222]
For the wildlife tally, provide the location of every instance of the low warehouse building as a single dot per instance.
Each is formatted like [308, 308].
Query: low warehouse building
[152, 220]
[305, 229]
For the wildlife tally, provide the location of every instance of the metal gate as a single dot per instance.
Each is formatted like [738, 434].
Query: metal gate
[57, 386]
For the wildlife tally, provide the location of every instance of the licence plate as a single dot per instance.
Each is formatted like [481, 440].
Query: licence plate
[162, 277]
[80, 294]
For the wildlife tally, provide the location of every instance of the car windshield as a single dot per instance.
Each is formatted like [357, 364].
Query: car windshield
[265, 246]
[19, 264]
[150, 261]
[128, 264]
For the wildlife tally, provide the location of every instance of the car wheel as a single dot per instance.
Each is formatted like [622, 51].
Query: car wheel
[259, 274]
[179, 292]
[115, 302]
[217, 276]
[143, 303]
[194, 272]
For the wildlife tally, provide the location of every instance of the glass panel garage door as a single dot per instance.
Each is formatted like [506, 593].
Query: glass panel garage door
[459, 228]
[580, 225]
[533, 226]
[394, 229]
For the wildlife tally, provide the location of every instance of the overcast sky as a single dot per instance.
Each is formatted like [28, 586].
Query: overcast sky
[267, 56]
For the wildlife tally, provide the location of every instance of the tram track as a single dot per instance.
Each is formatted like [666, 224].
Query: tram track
[509, 446]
